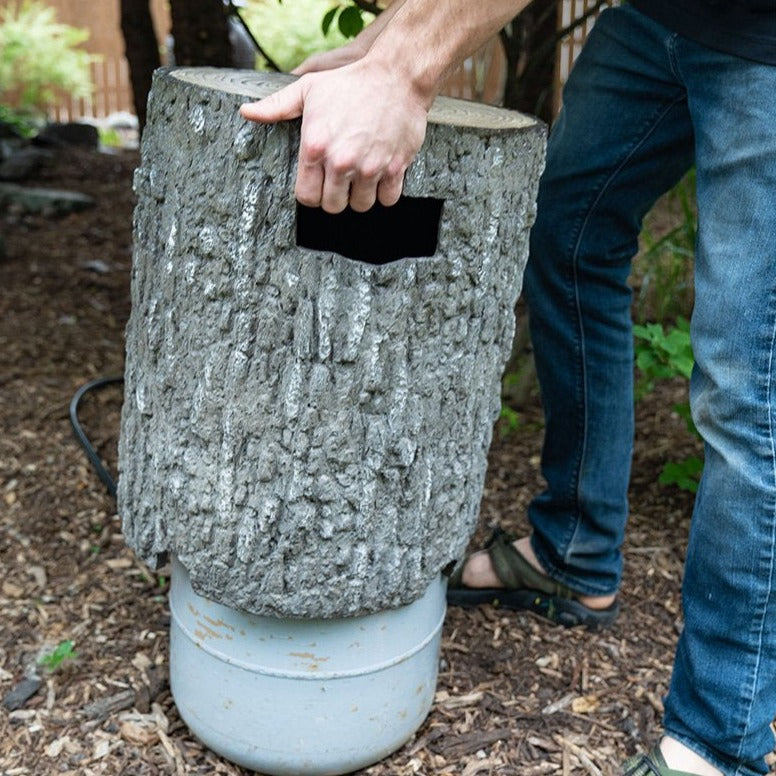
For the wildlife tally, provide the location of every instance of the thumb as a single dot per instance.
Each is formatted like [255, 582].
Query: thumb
[279, 106]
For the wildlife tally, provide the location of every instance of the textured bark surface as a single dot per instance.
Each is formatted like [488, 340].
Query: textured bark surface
[308, 433]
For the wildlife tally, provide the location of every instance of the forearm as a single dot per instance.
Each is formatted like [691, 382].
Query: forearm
[352, 51]
[369, 34]
[425, 40]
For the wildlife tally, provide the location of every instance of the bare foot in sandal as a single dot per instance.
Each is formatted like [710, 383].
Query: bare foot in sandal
[508, 574]
[478, 572]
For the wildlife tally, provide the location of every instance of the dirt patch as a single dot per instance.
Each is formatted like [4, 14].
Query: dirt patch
[515, 696]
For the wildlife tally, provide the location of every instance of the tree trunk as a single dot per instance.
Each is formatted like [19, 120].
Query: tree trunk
[529, 44]
[201, 33]
[540, 23]
[141, 50]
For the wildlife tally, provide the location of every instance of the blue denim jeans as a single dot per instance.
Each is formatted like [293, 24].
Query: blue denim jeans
[641, 106]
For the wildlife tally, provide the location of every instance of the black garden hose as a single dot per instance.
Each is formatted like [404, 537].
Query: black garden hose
[91, 453]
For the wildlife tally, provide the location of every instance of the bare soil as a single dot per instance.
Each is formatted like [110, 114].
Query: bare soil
[515, 695]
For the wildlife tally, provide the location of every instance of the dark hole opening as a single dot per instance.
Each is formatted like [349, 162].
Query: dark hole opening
[379, 236]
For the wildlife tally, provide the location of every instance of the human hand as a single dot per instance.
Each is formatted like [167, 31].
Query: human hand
[361, 128]
[329, 60]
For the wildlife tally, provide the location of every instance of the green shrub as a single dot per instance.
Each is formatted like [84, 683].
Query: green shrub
[39, 58]
[290, 31]
[663, 270]
[663, 355]
[685, 474]
[23, 123]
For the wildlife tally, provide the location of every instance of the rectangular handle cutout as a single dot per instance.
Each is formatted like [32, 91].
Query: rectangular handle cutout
[410, 228]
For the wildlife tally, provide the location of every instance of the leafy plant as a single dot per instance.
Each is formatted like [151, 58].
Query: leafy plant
[291, 31]
[663, 270]
[685, 474]
[38, 57]
[109, 137]
[61, 653]
[350, 20]
[509, 420]
[660, 355]
[24, 124]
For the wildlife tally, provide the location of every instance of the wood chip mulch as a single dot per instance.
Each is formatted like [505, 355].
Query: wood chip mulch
[515, 695]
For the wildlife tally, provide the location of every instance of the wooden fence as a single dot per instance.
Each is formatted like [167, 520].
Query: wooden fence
[479, 78]
[112, 90]
[569, 11]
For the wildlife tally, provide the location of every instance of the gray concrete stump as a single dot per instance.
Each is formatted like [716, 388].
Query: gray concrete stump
[308, 432]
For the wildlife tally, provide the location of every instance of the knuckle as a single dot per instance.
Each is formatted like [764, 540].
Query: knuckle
[312, 150]
[371, 171]
[395, 171]
[342, 165]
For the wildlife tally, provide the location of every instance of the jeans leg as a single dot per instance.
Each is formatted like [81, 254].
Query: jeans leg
[723, 691]
[623, 138]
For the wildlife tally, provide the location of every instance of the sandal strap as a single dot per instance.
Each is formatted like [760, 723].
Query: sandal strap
[516, 573]
[652, 764]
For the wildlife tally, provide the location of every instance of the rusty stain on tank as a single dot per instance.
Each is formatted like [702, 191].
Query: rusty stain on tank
[206, 631]
[219, 623]
[313, 666]
[308, 656]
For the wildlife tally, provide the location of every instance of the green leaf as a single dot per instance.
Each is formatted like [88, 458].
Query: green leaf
[328, 18]
[63, 651]
[684, 474]
[510, 420]
[350, 21]
[684, 412]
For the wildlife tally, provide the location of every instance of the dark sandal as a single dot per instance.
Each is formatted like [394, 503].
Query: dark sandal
[525, 588]
[652, 764]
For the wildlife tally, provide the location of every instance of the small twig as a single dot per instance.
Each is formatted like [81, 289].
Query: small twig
[104, 707]
[468, 743]
[561, 703]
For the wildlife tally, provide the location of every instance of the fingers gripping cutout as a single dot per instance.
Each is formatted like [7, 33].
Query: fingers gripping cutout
[379, 235]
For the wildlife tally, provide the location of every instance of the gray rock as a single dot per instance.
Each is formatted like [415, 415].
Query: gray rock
[23, 163]
[308, 432]
[9, 131]
[21, 692]
[72, 133]
[50, 202]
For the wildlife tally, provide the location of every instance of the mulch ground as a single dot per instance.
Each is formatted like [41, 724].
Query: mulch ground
[515, 695]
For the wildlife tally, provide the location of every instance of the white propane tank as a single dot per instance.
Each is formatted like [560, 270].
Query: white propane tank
[303, 697]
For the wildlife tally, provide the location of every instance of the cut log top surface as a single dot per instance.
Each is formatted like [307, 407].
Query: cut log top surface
[256, 85]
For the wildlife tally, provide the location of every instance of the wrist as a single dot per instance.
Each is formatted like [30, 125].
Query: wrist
[409, 74]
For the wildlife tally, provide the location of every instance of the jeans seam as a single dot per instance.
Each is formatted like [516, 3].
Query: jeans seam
[752, 689]
[672, 58]
[650, 128]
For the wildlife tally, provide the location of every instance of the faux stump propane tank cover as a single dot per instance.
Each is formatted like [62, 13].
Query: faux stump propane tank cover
[310, 399]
